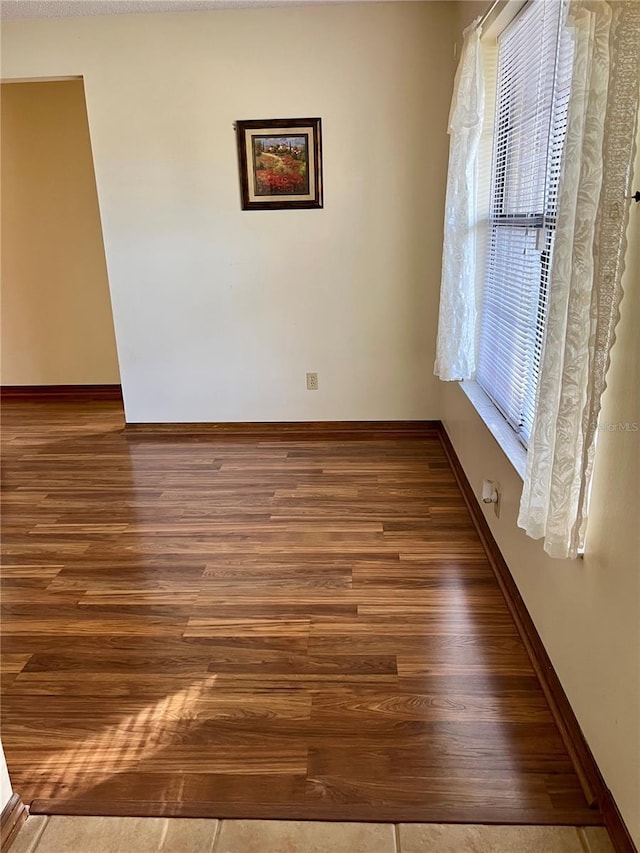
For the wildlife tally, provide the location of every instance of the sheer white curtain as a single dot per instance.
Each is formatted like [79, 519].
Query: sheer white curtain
[455, 349]
[588, 263]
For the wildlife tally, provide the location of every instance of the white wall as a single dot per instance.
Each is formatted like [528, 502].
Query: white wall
[57, 326]
[219, 312]
[587, 611]
[5, 782]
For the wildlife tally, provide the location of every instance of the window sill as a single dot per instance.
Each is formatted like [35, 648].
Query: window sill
[497, 426]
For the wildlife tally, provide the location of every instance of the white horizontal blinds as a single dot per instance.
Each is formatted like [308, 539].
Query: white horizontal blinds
[530, 123]
[558, 132]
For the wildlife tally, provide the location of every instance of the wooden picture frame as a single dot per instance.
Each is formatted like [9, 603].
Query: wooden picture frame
[280, 163]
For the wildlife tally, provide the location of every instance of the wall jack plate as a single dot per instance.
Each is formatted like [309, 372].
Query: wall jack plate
[491, 495]
[312, 381]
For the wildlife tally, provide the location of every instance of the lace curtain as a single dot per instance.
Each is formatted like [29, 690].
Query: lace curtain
[455, 348]
[588, 263]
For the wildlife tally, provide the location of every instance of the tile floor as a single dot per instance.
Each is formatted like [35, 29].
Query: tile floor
[174, 835]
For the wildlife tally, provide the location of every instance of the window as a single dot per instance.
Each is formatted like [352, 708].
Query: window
[532, 93]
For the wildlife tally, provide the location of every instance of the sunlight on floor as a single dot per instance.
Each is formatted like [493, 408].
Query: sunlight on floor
[133, 739]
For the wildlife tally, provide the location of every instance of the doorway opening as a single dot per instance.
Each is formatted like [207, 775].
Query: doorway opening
[56, 318]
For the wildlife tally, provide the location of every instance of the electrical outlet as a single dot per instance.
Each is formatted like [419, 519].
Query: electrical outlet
[491, 495]
[312, 381]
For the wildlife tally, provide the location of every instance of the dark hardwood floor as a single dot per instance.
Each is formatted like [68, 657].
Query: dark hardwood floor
[221, 626]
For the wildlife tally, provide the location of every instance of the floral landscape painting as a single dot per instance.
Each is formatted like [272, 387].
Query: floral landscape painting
[281, 165]
[280, 162]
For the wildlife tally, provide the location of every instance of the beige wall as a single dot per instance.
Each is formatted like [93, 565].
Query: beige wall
[57, 326]
[587, 611]
[219, 312]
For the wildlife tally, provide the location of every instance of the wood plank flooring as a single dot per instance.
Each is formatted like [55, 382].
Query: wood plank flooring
[223, 627]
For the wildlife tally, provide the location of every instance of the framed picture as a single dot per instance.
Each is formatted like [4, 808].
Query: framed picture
[280, 163]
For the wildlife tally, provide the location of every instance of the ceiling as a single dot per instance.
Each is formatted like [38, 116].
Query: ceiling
[74, 8]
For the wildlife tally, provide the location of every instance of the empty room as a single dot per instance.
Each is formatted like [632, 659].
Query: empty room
[320, 426]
